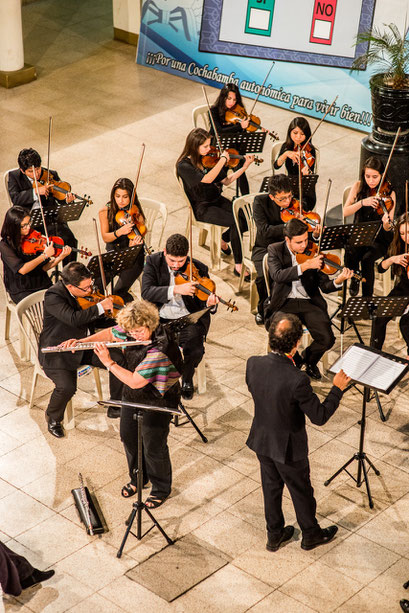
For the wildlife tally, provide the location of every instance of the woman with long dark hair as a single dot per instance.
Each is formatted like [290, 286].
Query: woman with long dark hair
[204, 187]
[362, 204]
[24, 273]
[115, 234]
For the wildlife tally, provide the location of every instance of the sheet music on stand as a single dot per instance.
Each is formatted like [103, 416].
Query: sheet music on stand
[62, 213]
[114, 261]
[371, 367]
[350, 235]
[250, 142]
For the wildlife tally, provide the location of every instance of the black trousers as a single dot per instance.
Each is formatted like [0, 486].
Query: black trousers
[318, 323]
[380, 330]
[366, 256]
[257, 258]
[156, 459]
[13, 569]
[221, 214]
[65, 382]
[296, 476]
[191, 340]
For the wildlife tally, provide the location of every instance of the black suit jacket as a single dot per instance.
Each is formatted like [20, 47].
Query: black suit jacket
[283, 273]
[21, 189]
[270, 227]
[155, 285]
[283, 396]
[63, 319]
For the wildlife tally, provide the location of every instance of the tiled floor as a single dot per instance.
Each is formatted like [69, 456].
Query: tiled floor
[104, 107]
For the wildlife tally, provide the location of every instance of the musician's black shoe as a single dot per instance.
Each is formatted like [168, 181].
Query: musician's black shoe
[354, 287]
[313, 371]
[37, 576]
[55, 428]
[274, 543]
[259, 319]
[404, 605]
[114, 412]
[323, 537]
[187, 390]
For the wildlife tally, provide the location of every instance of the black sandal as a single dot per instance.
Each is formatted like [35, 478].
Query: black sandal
[153, 503]
[128, 490]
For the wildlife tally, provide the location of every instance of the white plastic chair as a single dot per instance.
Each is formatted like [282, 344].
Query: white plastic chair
[6, 184]
[11, 307]
[30, 315]
[200, 115]
[154, 210]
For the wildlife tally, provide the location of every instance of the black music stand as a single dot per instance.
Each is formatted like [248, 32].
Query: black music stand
[371, 307]
[140, 506]
[373, 369]
[248, 142]
[308, 183]
[114, 262]
[58, 213]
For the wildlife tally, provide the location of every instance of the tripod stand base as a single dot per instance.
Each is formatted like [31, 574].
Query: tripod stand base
[362, 470]
[137, 509]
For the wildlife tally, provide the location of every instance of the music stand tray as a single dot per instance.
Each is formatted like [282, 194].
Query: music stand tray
[114, 261]
[350, 235]
[308, 184]
[250, 142]
[61, 213]
[374, 369]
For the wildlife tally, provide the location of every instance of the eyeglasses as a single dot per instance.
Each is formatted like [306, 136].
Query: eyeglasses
[25, 225]
[284, 198]
[84, 289]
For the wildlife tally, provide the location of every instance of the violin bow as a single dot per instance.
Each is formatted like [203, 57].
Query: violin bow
[41, 206]
[101, 265]
[406, 215]
[319, 123]
[137, 175]
[325, 212]
[384, 175]
[191, 243]
[50, 127]
[212, 122]
[300, 178]
[259, 91]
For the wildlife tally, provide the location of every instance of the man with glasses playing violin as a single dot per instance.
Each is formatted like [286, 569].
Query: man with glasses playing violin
[64, 319]
[22, 191]
[267, 209]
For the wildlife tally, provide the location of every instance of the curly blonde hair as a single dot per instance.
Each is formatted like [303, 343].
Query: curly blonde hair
[137, 314]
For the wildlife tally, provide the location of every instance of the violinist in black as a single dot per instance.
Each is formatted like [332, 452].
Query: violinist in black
[116, 235]
[21, 188]
[362, 204]
[398, 259]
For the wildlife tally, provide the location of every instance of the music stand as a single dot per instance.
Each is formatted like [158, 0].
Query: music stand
[140, 506]
[247, 142]
[114, 261]
[371, 307]
[374, 369]
[58, 213]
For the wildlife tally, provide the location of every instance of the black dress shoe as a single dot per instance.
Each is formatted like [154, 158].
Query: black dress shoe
[187, 390]
[36, 577]
[259, 319]
[323, 537]
[114, 412]
[246, 276]
[313, 371]
[354, 287]
[274, 543]
[404, 605]
[56, 428]
[226, 251]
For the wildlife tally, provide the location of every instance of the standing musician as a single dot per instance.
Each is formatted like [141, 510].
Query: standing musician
[282, 398]
[204, 189]
[160, 285]
[398, 259]
[64, 319]
[25, 273]
[296, 289]
[298, 133]
[116, 234]
[364, 206]
[267, 209]
[228, 98]
[22, 190]
[151, 377]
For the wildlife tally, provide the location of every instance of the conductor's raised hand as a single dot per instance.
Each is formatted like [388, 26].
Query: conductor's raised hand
[341, 380]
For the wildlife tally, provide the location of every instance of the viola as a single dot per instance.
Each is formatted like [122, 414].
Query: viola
[310, 218]
[213, 156]
[237, 114]
[330, 264]
[59, 189]
[86, 302]
[35, 242]
[204, 286]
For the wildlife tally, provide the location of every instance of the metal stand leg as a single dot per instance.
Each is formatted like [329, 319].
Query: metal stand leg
[191, 420]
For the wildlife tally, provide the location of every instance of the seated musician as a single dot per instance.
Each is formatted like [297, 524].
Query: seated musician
[21, 187]
[24, 273]
[296, 289]
[115, 234]
[267, 210]
[204, 189]
[174, 300]
[64, 319]
[151, 377]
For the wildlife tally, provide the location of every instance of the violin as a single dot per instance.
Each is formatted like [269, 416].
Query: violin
[213, 156]
[35, 242]
[86, 302]
[307, 157]
[330, 264]
[384, 199]
[204, 286]
[133, 215]
[59, 189]
[237, 114]
[310, 218]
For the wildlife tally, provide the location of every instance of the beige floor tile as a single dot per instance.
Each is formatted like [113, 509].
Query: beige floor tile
[348, 506]
[229, 534]
[19, 512]
[279, 603]
[95, 602]
[244, 461]
[28, 462]
[391, 581]
[390, 528]
[251, 509]
[364, 602]
[93, 465]
[126, 593]
[24, 424]
[391, 485]
[379, 437]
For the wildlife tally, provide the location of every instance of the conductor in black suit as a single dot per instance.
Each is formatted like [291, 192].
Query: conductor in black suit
[176, 300]
[296, 289]
[21, 188]
[283, 396]
[64, 319]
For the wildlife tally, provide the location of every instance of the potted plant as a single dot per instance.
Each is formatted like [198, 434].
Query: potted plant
[388, 51]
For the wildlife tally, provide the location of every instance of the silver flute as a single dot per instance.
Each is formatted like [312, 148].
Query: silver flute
[86, 346]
